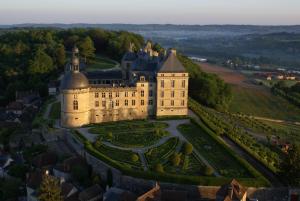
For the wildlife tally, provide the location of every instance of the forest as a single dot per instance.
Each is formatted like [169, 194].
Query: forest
[31, 57]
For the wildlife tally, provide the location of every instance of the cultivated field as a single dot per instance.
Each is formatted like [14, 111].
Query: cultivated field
[252, 99]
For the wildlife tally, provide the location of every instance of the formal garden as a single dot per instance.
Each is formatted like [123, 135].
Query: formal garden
[147, 150]
[130, 133]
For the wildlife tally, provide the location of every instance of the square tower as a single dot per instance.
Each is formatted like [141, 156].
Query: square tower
[172, 88]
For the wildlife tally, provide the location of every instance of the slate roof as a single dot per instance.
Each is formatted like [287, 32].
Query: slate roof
[172, 64]
[74, 80]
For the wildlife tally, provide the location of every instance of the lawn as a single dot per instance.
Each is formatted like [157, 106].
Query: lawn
[101, 63]
[55, 111]
[260, 102]
[131, 133]
[121, 156]
[213, 152]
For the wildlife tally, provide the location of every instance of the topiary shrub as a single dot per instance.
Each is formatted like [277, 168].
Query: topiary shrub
[208, 171]
[188, 148]
[176, 159]
[134, 158]
[159, 168]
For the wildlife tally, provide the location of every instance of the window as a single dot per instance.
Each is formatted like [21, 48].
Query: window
[75, 105]
[172, 94]
[142, 93]
[110, 94]
[75, 96]
[162, 94]
[172, 102]
[103, 104]
[182, 102]
[117, 94]
[183, 94]
[126, 94]
[117, 103]
[172, 83]
[150, 102]
[133, 102]
[162, 103]
[96, 103]
[142, 102]
[126, 102]
[142, 85]
[96, 95]
[133, 94]
[103, 95]
[111, 104]
[183, 75]
[162, 83]
[150, 93]
[183, 83]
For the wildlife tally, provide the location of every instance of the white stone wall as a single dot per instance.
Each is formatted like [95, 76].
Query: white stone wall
[172, 98]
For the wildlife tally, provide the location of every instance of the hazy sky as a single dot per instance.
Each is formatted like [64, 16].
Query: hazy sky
[271, 12]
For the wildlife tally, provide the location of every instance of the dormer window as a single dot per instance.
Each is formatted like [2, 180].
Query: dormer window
[142, 78]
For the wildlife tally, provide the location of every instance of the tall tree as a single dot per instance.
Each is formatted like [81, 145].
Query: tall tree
[290, 167]
[60, 55]
[41, 63]
[87, 49]
[50, 189]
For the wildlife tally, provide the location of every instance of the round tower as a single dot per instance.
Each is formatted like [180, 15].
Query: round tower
[74, 95]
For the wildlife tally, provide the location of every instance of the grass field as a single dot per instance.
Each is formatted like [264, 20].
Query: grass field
[214, 153]
[142, 133]
[55, 111]
[101, 63]
[260, 102]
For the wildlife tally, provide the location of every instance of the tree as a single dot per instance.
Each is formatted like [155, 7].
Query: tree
[176, 159]
[41, 63]
[50, 189]
[87, 49]
[159, 168]
[134, 158]
[60, 55]
[98, 142]
[290, 166]
[188, 148]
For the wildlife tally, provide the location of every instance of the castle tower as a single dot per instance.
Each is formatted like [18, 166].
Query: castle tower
[74, 95]
[172, 87]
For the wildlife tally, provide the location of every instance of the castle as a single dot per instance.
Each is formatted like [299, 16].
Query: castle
[148, 84]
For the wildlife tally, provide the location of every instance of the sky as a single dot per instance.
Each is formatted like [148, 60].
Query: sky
[255, 12]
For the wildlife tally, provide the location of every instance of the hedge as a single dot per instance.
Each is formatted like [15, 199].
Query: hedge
[196, 106]
[166, 177]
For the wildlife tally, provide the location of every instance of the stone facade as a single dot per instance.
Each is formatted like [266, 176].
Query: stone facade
[159, 91]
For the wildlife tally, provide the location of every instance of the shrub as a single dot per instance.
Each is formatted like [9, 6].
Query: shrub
[159, 168]
[134, 158]
[188, 148]
[110, 136]
[176, 159]
[208, 171]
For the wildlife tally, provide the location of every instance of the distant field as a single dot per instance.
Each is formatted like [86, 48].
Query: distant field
[253, 99]
[263, 104]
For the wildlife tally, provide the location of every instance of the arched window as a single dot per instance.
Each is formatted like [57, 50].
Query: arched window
[75, 105]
